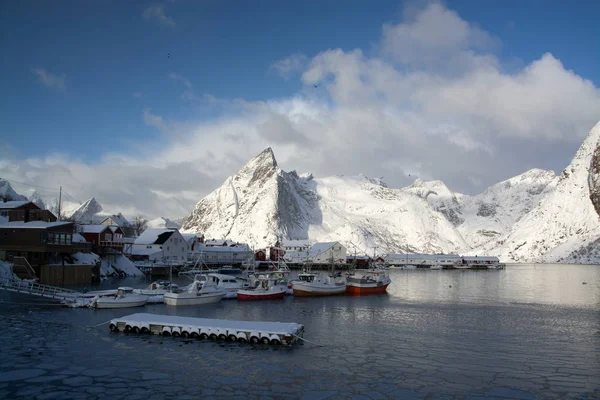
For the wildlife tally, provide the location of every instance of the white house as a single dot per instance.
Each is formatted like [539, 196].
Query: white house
[296, 245]
[120, 221]
[160, 244]
[424, 260]
[238, 253]
[327, 252]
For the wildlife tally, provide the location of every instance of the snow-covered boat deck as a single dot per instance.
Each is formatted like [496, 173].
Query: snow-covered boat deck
[216, 329]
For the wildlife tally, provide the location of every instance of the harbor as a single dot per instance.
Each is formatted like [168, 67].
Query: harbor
[448, 334]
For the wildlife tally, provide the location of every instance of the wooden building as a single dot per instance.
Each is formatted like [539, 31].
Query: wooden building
[38, 242]
[25, 211]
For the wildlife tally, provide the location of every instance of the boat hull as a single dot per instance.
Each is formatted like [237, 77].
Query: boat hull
[360, 290]
[184, 299]
[304, 290]
[111, 302]
[248, 295]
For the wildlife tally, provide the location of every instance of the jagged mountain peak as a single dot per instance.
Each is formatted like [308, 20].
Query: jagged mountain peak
[36, 199]
[8, 193]
[86, 212]
[162, 222]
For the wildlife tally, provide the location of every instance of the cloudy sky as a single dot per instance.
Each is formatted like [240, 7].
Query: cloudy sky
[150, 106]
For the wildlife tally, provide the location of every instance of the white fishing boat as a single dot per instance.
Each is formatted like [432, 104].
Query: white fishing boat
[124, 298]
[310, 284]
[267, 286]
[228, 283]
[156, 290]
[201, 291]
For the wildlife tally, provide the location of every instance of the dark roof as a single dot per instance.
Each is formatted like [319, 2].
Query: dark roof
[163, 237]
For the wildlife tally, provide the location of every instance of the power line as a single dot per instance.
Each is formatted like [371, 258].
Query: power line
[28, 184]
[68, 195]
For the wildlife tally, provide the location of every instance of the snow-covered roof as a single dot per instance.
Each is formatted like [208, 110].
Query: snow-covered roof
[77, 238]
[114, 228]
[154, 235]
[320, 248]
[219, 242]
[142, 251]
[92, 228]
[480, 258]
[420, 256]
[118, 219]
[189, 236]
[8, 205]
[33, 224]
[296, 243]
[358, 257]
[233, 249]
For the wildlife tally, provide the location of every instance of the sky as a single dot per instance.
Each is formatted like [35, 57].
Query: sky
[149, 106]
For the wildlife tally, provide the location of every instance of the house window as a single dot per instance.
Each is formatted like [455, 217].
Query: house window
[69, 239]
[3, 213]
[167, 248]
[43, 237]
[62, 238]
[107, 237]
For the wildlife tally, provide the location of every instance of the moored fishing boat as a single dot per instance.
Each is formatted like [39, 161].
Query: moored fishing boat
[201, 291]
[316, 284]
[368, 281]
[266, 287]
[124, 298]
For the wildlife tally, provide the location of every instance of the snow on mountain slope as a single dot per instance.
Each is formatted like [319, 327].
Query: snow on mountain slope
[86, 213]
[440, 198]
[8, 193]
[262, 202]
[162, 222]
[36, 198]
[565, 224]
[491, 214]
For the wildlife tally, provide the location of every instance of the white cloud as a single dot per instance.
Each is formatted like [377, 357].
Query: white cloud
[289, 65]
[48, 79]
[178, 78]
[435, 102]
[138, 95]
[156, 13]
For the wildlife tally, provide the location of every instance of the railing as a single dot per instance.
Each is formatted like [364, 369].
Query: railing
[37, 289]
[22, 262]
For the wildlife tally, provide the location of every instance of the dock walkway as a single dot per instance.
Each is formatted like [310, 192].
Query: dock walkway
[285, 333]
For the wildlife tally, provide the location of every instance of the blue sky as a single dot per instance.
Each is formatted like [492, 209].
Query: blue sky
[107, 51]
[83, 81]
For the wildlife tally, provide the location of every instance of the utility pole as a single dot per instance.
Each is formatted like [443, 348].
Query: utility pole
[59, 200]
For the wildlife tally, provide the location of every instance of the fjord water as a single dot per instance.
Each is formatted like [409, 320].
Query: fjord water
[526, 332]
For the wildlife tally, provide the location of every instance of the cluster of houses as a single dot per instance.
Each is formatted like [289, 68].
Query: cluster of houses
[40, 246]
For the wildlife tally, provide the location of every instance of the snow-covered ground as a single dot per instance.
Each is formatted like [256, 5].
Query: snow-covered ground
[114, 265]
[6, 271]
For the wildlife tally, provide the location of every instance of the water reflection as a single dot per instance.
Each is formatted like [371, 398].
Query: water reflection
[518, 283]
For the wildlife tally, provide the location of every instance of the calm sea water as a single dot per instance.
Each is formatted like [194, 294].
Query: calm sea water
[527, 332]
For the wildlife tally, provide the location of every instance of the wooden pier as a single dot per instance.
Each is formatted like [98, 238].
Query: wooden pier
[276, 333]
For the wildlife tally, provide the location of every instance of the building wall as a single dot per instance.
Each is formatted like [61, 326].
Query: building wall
[65, 275]
[175, 248]
[337, 252]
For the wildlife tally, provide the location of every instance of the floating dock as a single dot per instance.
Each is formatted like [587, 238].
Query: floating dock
[276, 333]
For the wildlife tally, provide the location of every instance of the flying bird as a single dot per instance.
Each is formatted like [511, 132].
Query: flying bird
[315, 85]
[168, 55]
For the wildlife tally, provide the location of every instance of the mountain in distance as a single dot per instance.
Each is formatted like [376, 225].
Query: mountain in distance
[86, 213]
[36, 199]
[163, 222]
[262, 202]
[536, 216]
[565, 225]
[8, 193]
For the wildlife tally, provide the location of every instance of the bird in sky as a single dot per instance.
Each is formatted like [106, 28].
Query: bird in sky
[168, 55]
[315, 85]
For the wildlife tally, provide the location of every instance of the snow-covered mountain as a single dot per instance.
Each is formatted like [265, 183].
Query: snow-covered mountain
[162, 222]
[492, 213]
[564, 226]
[36, 198]
[86, 213]
[262, 202]
[8, 193]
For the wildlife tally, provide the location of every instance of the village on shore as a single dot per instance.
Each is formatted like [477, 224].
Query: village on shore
[40, 246]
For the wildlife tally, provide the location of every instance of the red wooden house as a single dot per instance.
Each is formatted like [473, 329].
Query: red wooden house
[103, 237]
